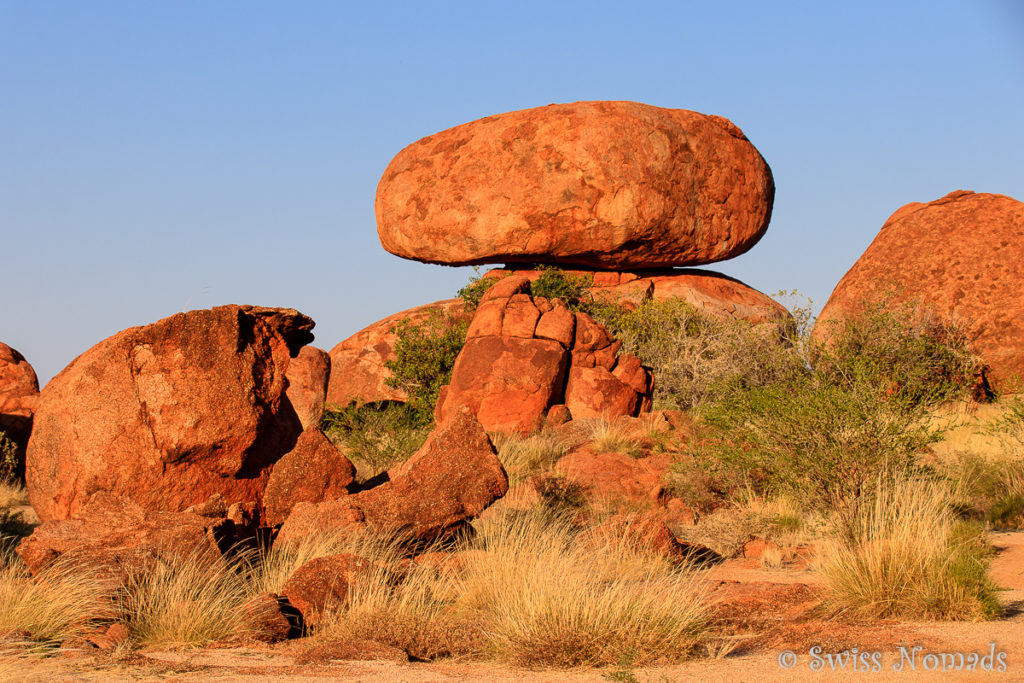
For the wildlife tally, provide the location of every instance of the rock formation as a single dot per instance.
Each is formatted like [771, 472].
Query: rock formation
[962, 256]
[19, 390]
[611, 185]
[307, 384]
[169, 413]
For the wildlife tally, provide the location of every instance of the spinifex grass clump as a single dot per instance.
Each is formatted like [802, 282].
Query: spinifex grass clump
[526, 456]
[64, 600]
[185, 601]
[907, 556]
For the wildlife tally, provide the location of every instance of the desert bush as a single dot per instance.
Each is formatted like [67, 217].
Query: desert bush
[186, 600]
[555, 283]
[375, 436]
[64, 600]
[697, 356]
[990, 490]
[475, 289]
[907, 556]
[425, 354]
[903, 348]
[12, 494]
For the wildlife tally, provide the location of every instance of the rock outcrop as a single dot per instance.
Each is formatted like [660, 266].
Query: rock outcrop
[611, 185]
[314, 471]
[307, 384]
[525, 354]
[357, 364]
[170, 413]
[452, 478]
[705, 290]
[19, 389]
[961, 256]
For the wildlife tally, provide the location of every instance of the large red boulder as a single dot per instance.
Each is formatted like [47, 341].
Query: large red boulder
[357, 369]
[19, 389]
[604, 184]
[307, 384]
[314, 471]
[452, 478]
[169, 414]
[962, 256]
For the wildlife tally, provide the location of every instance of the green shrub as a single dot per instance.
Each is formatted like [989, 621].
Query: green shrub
[554, 283]
[697, 357]
[902, 348]
[475, 289]
[425, 354]
[375, 436]
[987, 489]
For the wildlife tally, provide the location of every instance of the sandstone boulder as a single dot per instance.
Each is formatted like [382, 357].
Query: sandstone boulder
[170, 413]
[314, 471]
[307, 377]
[120, 536]
[962, 256]
[357, 371]
[324, 583]
[611, 477]
[603, 184]
[454, 476]
[19, 389]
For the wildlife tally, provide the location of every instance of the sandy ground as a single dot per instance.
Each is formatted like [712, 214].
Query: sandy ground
[775, 660]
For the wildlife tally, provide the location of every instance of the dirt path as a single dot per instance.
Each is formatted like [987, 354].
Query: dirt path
[1006, 636]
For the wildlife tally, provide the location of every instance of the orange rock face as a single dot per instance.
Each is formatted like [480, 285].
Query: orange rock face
[357, 364]
[603, 184]
[19, 389]
[963, 257]
[169, 414]
[307, 384]
[315, 470]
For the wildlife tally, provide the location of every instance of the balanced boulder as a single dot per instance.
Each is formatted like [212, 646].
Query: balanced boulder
[169, 414]
[962, 257]
[604, 184]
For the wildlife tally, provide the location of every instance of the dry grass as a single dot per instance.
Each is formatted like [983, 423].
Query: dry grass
[12, 494]
[533, 595]
[64, 601]
[613, 436]
[523, 457]
[188, 601]
[909, 557]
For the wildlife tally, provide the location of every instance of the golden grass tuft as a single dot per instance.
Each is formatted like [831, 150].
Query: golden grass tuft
[185, 601]
[64, 600]
[613, 436]
[907, 556]
[12, 494]
[523, 457]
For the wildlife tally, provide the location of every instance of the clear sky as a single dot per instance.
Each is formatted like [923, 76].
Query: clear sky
[163, 156]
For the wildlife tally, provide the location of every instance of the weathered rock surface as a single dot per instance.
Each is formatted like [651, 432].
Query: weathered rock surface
[705, 290]
[170, 413]
[524, 355]
[19, 389]
[614, 476]
[604, 184]
[357, 364]
[121, 536]
[314, 471]
[323, 583]
[307, 377]
[963, 257]
[452, 478]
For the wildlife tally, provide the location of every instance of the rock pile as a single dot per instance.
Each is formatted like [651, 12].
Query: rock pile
[626, 191]
[19, 390]
[962, 256]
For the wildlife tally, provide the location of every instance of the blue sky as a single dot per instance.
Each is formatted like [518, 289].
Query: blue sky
[164, 156]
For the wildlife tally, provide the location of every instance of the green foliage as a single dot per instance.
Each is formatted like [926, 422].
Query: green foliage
[901, 348]
[475, 289]
[425, 354]
[554, 283]
[698, 357]
[559, 495]
[375, 436]
[9, 460]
